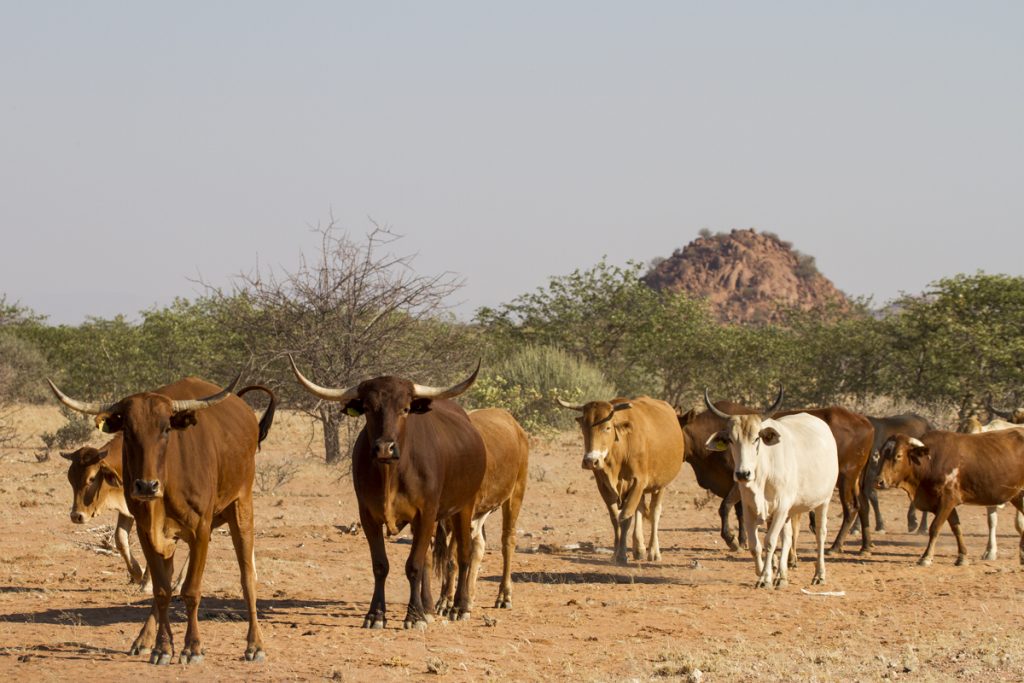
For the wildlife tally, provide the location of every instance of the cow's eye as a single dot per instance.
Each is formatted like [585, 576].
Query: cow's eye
[405, 411]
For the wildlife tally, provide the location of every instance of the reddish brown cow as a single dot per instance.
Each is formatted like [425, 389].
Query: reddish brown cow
[853, 434]
[713, 469]
[503, 486]
[190, 463]
[942, 470]
[96, 486]
[418, 460]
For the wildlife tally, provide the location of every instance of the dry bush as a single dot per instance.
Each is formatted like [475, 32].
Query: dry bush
[271, 476]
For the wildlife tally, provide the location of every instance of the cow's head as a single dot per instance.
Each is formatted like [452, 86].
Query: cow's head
[899, 454]
[744, 436]
[386, 402]
[147, 421]
[970, 425]
[602, 423]
[92, 481]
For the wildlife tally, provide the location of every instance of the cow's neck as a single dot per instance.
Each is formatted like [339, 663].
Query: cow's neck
[390, 478]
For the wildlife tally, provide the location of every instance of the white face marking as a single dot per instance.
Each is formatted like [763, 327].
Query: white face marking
[595, 458]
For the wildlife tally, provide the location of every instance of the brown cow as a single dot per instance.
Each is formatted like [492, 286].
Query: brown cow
[418, 460]
[191, 466]
[633, 447]
[713, 469]
[944, 469]
[503, 486]
[853, 434]
[96, 486]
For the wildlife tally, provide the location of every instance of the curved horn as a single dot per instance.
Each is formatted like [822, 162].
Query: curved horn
[1006, 415]
[421, 391]
[712, 408]
[208, 402]
[323, 392]
[95, 408]
[775, 406]
[570, 406]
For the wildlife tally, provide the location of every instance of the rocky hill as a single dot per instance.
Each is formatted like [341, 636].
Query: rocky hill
[746, 276]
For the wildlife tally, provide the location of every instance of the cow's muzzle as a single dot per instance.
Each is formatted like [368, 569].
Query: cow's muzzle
[77, 517]
[743, 475]
[387, 451]
[147, 489]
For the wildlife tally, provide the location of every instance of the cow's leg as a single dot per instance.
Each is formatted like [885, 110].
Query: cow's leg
[462, 526]
[730, 501]
[415, 566]
[121, 542]
[946, 506]
[157, 627]
[479, 547]
[374, 532]
[820, 535]
[912, 523]
[192, 593]
[750, 523]
[795, 524]
[509, 516]
[961, 547]
[611, 502]
[626, 516]
[654, 549]
[848, 493]
[782, 580]
[879, 519]
[923, 527]
[1018, 502]
[863, 518]
[241, 527]
[446, 601]
[779, 520]
[146, 640]
[639, 543]
[743, 540]
[991, 551]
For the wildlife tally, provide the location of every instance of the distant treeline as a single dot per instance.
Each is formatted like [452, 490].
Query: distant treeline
[591, 334]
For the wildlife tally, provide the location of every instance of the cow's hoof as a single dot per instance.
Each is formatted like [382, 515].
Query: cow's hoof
[654, 556]
[160, 658]
[922, 530]
[962, 561]
[817, 580]
[255, 654]
[989, 556]
[924, 562]
[417, 624]
[733, 545]
[761, 583]
[880, 530]
[187, 657]
[503, 603]
[374, 621]
[781, 582]
[864, 552]
[138, 649]
[622, 561]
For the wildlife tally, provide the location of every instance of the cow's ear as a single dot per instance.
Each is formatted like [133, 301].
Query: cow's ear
[72, 456]
[183, 419]
[686, 417]
[110, 423]
[354, 408]
[718, 442]
[420, 405]
[769, 437]
[88, 456]
[110, 475]
[917, 453]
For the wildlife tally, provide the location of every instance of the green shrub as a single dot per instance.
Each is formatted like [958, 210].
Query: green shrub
[527, 382]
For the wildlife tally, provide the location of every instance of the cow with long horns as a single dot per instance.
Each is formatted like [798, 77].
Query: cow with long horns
[783, 467]
[633, 447]
[189, 463]
[418, 460]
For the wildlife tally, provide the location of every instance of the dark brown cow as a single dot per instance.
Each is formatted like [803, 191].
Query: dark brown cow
[942, 470]
[504, 485]
[634, 447]
[190, 463]
[713, 469]
[96, 486]
[418, 460]
[853, 434]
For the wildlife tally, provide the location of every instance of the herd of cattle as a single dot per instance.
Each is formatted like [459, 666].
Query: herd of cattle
[182, 462]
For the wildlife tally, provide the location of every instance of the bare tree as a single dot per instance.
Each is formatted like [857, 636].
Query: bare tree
[354, 311]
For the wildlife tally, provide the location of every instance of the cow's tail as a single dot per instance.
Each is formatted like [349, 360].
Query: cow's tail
[440, 551]
[268, 415]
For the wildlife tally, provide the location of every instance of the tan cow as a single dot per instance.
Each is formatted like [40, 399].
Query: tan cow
[503, 486]
[942, 470]
[633, 446]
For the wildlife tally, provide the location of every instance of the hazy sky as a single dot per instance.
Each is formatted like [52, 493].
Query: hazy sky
[143, 143]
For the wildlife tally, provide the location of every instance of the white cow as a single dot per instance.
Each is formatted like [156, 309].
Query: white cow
[784, 467]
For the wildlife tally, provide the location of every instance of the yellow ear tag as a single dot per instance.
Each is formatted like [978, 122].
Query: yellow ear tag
[719, 445]
[101, 424]
[352, 412]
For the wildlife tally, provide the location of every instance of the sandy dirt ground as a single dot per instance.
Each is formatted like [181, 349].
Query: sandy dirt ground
[67, 611]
